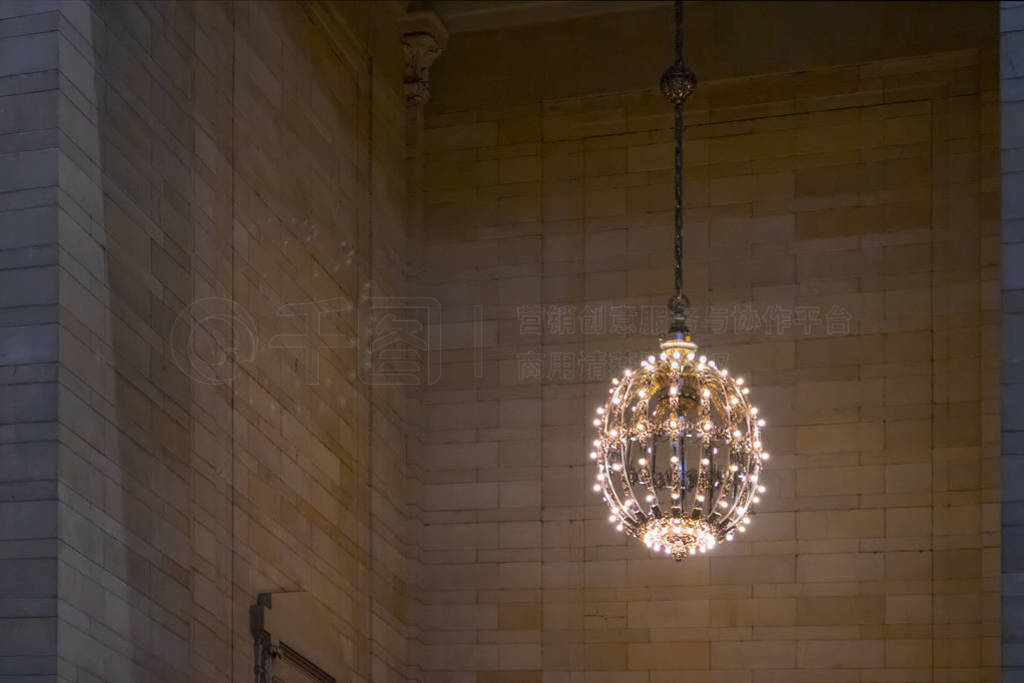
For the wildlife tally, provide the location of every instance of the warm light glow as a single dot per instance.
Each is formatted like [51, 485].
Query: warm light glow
[681, 448]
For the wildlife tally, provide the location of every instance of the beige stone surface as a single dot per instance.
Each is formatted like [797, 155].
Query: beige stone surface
[219, 161]
[840, 226]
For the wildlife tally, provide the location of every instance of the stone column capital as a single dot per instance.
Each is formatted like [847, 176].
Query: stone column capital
[424, 38]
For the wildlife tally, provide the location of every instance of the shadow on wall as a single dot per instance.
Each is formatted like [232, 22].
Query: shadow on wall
[200, 464]
[126, 237]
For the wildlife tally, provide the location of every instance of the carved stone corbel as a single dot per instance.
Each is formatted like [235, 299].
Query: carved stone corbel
[424, 38]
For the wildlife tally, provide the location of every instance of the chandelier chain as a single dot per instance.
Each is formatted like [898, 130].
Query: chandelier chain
[677, 83]
[679, 201]
[679, 29]
[678, 224]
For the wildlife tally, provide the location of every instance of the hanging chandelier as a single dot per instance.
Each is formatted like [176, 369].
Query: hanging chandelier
[678, 449]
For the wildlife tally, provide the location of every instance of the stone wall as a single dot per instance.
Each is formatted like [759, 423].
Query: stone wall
[197, 199]
[29, 210]
[1012, 393]
[841, 249]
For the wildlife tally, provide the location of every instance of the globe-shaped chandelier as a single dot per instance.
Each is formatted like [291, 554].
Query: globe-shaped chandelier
[679, 449]
[679, 452]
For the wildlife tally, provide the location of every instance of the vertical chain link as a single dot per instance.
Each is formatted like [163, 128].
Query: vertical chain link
[679, 201]
[679, 160]
[679, 28]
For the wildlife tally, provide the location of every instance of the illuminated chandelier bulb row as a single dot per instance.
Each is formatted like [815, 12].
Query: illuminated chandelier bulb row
[679, 452]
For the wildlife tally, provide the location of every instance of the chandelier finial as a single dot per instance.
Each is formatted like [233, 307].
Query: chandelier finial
[678, 82]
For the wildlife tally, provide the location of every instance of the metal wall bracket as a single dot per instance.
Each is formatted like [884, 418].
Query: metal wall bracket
[299, 621]
[263, 650]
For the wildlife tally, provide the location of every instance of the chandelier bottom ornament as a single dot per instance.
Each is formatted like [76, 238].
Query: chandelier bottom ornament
[677, 537]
